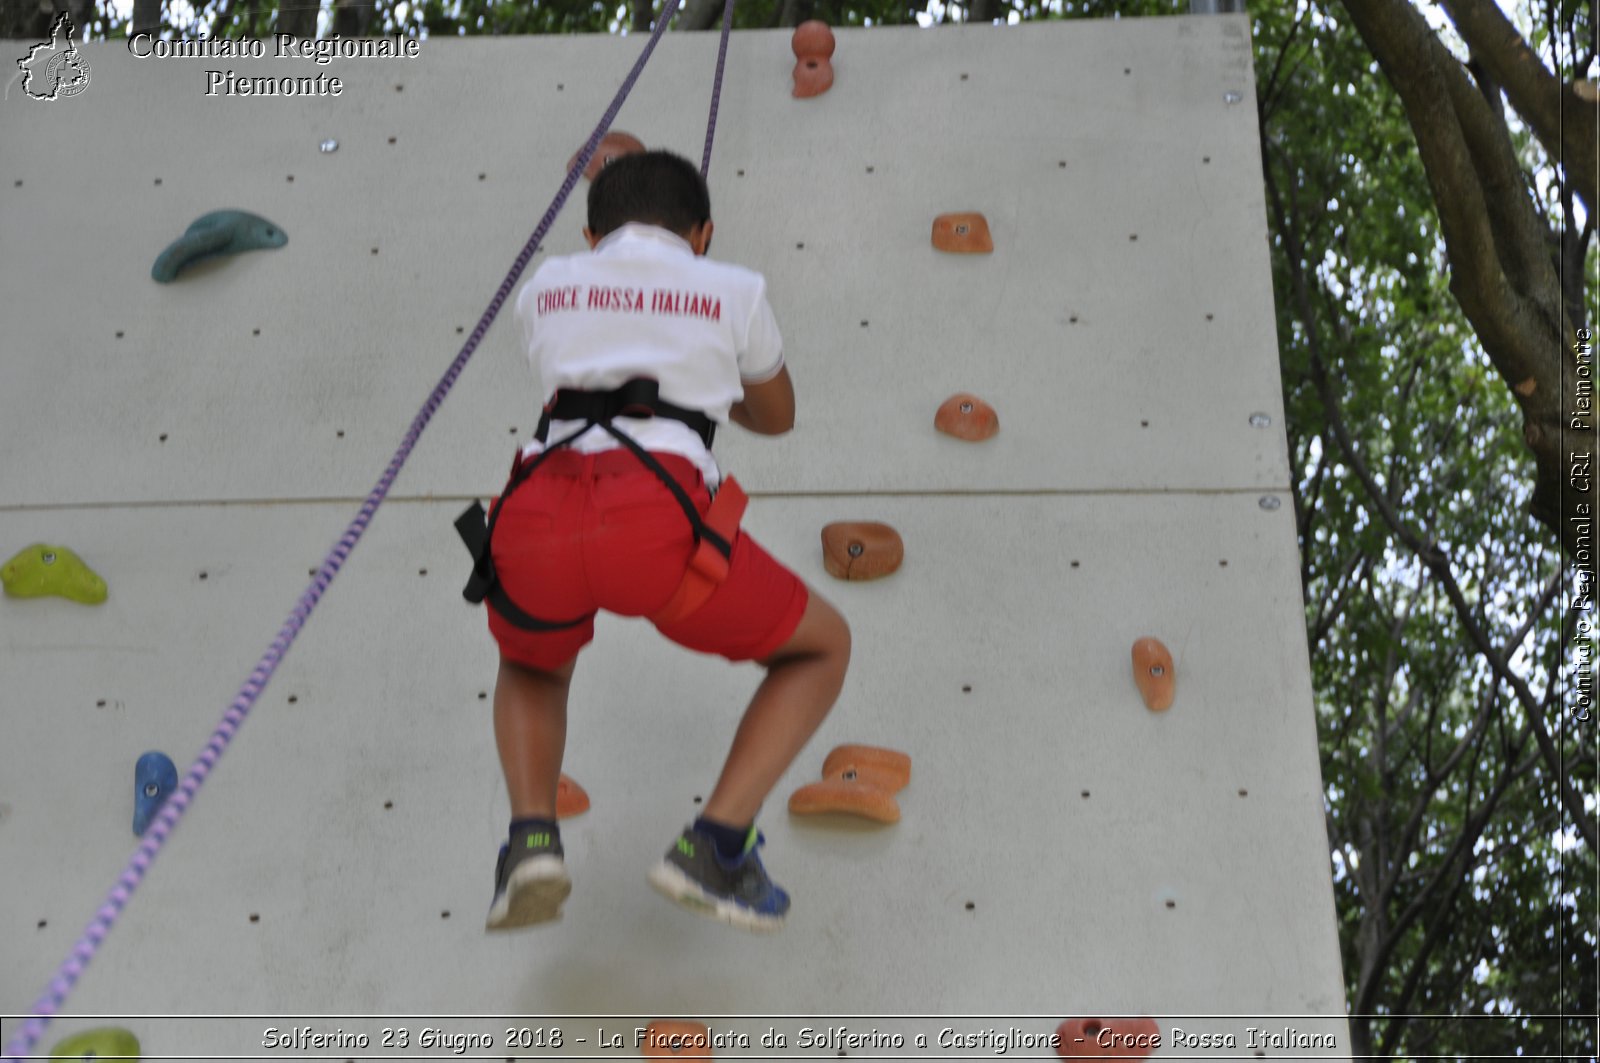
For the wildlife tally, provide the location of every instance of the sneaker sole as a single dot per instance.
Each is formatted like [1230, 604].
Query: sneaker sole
[533, 896]
[670, 880]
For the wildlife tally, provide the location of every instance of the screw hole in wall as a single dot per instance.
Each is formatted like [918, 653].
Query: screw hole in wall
[388, 804]
[43, 922]
[255, 917]
[294, 699]
[1084, 795]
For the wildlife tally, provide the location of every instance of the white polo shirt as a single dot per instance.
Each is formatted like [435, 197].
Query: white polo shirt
[642, 303]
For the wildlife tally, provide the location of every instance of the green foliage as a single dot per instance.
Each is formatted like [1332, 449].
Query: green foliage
[1460, 898]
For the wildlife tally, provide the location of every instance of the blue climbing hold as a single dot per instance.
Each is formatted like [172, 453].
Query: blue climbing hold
[154, 779]
[222, 232]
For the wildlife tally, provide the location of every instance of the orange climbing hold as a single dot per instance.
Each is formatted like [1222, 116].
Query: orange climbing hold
[571, 799]
[812, 40]
[852, 796]
[888, 769]
[613, 145]
[676, 1039]
[812, 77]
[962, 234]
[967, 417]
[1127, 1038]
[860, 550]
[1152, 672]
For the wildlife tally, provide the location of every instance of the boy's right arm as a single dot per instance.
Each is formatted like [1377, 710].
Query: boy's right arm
[768, 407]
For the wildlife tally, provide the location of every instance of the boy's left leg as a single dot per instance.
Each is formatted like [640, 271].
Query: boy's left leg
[530, 728]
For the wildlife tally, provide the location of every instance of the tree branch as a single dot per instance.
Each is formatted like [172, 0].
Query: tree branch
[1552, 109]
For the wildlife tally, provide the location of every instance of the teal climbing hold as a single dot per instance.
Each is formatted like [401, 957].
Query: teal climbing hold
[154, 779]
[104, 1042]
[41, 569]
[222, 232]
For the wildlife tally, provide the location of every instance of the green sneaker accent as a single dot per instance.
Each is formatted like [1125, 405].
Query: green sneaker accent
[686, 847]
[538, 841]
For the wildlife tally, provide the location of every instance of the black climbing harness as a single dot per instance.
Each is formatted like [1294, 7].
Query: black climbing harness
[640, 398]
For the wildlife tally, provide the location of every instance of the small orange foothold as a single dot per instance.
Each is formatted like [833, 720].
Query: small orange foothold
[613, 145]
[571, 799]
[886, 768]
[812, 40]
[860, 550]
[1131, 1038]
[967, 417]
[676, 1039]
[851, 796]
[1152, 672]
[962, 234]
[812, 77]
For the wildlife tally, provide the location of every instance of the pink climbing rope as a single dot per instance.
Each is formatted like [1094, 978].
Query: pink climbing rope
[55, 994]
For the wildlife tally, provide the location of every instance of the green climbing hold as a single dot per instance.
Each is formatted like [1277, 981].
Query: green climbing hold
[41, 569]
[104, 1042]
[222, 232]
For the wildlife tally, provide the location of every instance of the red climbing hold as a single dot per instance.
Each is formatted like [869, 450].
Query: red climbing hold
[571, 799]
[812, 40]
[1130, 1038]
[851, 796]
[858, 780]
[889, 769]
[861, 550]
[676, 1039]
[812, 77]
[965, 233]
[967, 417]
[1152, 673]
[613, 145]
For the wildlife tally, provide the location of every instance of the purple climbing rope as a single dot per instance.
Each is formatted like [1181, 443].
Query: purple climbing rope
[71, 969]
[716, 87]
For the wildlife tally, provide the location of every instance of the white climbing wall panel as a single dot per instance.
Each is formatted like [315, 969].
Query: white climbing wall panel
[1063, 852]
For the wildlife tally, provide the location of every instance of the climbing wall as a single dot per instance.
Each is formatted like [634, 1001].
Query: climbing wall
[1063, 851]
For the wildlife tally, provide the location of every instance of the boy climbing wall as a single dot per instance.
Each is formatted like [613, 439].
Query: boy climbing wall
[644, 346]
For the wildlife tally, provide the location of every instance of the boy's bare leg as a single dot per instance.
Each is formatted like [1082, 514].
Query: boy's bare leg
[530, 731]
[804, 677]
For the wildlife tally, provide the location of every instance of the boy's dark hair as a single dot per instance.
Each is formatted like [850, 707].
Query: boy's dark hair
[654, 187]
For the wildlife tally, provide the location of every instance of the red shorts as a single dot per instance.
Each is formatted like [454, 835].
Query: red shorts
[601, 531]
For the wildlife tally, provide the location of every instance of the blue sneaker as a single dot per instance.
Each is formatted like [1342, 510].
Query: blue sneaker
[530, 882]
[737, 892]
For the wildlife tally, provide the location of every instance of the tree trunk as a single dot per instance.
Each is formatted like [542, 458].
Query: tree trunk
[1561, 121]
[700, 14]
[351, 18]
[644, 14]
[1502, 272]
[146, 16]
[983, 10]
[299, 17]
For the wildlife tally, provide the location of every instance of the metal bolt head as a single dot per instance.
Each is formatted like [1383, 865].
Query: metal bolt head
[48, 557]
[1260, 420]
[1157, 671]
[849, 776]
[966, 407]
[1269, 502]
[329, 146]
[857, 549]
[151, 789]
[1232, 97]
[961, 230]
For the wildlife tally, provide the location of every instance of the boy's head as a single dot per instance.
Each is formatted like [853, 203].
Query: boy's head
[655, 188]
